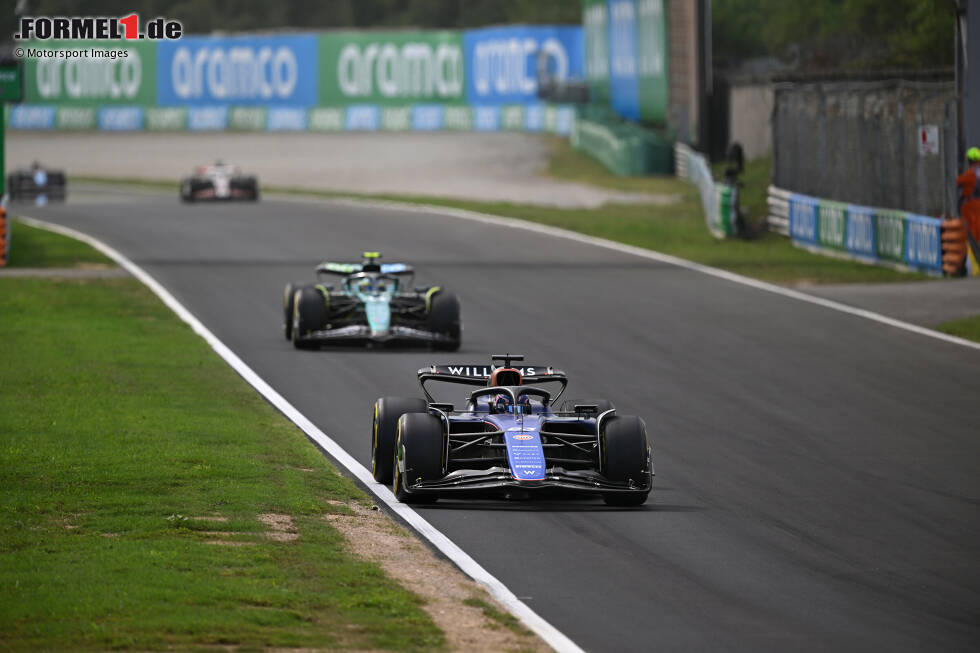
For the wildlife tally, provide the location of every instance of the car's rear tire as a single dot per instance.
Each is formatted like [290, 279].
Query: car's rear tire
[444, 319]
[287, 307]
[384, 432]
[625, 452]
[309, 314]
[418, 449]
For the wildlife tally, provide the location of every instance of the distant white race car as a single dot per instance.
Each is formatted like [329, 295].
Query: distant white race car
[218, 182]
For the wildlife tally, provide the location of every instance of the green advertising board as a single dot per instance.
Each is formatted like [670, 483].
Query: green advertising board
[165, 118]
[11, 89]
[890, 229]
[326, 119]
[720, 221]
[396, 118]
[832, 224]
[651, 58]
[95, 72]
[458, 118]
[595, 21]
[247, 118]
[390, 68]
[75, 118]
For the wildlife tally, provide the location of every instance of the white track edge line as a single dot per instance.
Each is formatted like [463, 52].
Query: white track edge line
[551, 635]
[558, 232]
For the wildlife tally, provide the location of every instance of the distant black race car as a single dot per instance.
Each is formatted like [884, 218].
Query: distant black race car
[218, 182]
[508, 440]
[36, 183]
[373, 303]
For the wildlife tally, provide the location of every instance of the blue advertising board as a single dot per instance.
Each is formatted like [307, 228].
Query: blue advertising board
[287, 119]
[207, 118]
[120, 118]
[502, 63]
[212, 70]
[624, 77]
[362, 117]
[427, 117]
[32, 116]
[923, 247]
[486, 118]
[860, 237]
[803, 219]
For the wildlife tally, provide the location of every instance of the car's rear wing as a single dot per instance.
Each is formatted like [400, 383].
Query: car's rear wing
[478, 374]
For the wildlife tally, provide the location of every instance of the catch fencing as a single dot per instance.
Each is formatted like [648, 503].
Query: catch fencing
[882, 143]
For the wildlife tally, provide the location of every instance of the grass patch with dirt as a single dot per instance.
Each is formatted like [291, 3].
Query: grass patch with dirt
[968, 328]
[152, 500]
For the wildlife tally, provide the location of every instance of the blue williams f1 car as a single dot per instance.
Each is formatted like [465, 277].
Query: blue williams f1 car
[508, 440]
[373, 303]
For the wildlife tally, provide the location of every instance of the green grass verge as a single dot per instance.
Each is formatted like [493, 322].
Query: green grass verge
[677, 228]
[968, 328]
[120, 429]
[31, 247]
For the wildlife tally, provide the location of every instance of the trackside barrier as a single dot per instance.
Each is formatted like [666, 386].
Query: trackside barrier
[624, 148]
[954, 245]
[354, 80]
[539, 117]
[886, 237]
[717, 200]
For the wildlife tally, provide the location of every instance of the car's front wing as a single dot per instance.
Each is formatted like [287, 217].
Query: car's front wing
[363, 333]
[499, 480]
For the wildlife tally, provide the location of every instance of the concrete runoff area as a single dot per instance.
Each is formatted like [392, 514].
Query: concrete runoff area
[818, 473]
[496, 167]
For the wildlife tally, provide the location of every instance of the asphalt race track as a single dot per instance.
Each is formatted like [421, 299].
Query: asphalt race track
[818, 475]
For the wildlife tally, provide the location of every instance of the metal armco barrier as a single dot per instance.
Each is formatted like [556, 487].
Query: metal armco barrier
[886, 237]
[717, 200]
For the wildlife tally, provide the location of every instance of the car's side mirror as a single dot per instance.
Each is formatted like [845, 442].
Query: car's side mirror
[586, 409]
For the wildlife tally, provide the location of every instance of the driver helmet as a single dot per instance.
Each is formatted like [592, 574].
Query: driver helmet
[973, 154]
[524, 403]
[502, 403]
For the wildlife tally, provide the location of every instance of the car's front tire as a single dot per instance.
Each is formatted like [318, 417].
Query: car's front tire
[309, 314]
[186, 190]
[625, 453]
[418, 455]
[384, 432]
